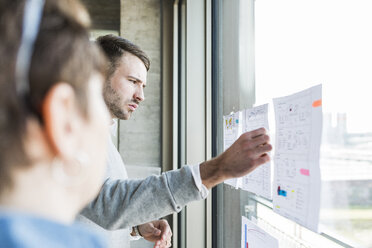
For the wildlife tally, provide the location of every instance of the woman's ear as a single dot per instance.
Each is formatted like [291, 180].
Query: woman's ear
[60, 115]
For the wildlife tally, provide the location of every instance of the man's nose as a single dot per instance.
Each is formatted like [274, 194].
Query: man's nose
[139, 94]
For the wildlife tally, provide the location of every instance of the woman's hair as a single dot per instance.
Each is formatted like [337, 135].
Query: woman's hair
[62, 53]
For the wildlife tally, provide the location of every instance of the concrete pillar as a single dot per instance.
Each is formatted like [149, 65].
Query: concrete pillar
[140, 137]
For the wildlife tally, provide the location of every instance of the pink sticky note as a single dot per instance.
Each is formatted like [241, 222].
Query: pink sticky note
[305, 172]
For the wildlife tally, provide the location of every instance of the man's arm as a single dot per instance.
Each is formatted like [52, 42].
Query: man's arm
[126, 203]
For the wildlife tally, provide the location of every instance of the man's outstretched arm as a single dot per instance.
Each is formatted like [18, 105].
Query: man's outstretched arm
[125, 203]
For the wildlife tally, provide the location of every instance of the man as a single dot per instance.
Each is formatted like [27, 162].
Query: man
[123, 92]
[125, 203]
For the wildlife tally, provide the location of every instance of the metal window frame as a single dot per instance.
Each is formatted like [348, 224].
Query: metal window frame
[192, 99]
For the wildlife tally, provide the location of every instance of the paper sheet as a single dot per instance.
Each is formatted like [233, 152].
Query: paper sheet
[255, 237]
[296, 188]
[258, 181]
[232, 131]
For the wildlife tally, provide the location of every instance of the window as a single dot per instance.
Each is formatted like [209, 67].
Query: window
[302, 43]
[298, 44]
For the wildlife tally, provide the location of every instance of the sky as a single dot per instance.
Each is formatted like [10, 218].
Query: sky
[302, 43]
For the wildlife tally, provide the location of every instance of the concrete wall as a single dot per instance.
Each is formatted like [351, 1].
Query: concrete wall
[140, 137]
[105, 14]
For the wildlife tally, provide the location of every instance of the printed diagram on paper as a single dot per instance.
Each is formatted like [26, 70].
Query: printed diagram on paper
[258, 181]
[255, 237]
[296, 188]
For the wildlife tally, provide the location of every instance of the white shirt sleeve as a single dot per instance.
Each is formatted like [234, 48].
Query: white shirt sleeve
[195, 170]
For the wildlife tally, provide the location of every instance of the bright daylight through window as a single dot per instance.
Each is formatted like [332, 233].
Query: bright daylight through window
[299, 44]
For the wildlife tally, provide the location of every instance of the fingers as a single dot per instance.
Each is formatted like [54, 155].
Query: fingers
[261, 160]
[259, 141]
[255, 133]
[156, 231]
[165, 229]
[149, 229]
[263, 149]
[165, 240]
[164, 244]
[168, 243]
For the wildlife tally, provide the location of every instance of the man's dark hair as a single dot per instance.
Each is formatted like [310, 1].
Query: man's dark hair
[114, 47]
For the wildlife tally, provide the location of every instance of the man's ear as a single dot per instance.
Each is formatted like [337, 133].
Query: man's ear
[60, 117]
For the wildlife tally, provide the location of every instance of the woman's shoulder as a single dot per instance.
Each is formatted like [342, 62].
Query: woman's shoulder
[26, 231]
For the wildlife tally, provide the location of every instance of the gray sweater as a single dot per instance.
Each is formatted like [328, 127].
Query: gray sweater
[155, 196]
[126, 203]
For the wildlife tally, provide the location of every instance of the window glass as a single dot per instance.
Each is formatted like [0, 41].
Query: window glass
[301, 43]
[234, 77]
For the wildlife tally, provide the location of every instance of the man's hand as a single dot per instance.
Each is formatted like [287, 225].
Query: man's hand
[157, 231]
[246, 154]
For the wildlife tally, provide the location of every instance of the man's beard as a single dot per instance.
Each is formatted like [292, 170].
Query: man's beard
[113, 100]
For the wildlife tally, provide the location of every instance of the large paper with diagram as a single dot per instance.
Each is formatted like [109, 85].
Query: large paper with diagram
[296, 188]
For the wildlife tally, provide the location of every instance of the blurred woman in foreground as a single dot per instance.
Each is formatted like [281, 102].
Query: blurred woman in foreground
[52, 116]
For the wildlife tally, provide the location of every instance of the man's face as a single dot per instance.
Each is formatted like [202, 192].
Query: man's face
[124, 92]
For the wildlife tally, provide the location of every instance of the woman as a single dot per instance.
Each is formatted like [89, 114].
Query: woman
[52, 123]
